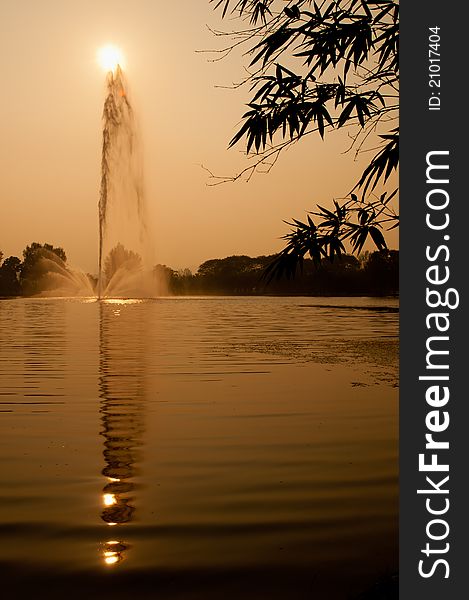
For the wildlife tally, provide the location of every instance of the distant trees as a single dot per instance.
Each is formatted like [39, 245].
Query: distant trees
[383, 269]
[9, 276]
[179, 283]
[35, 251]
[35, 265]
[120, 258]
[24, 277]
[374, 273]
[240, 274]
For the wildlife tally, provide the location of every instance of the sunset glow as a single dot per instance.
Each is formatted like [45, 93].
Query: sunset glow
[110, 57]
[199, 299]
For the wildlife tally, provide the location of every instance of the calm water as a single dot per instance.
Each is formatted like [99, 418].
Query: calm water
[198, 448]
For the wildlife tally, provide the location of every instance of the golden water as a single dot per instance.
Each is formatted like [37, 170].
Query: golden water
[198, 448]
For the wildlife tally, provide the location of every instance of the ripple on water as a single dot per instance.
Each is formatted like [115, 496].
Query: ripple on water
[199, 447]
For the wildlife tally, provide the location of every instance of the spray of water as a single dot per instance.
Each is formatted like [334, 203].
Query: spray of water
[125, 248]
[126, 258]
[49, 275]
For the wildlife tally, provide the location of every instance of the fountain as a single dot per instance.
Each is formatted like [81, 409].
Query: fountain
[126, 257]
[46, 273]
[125, 249]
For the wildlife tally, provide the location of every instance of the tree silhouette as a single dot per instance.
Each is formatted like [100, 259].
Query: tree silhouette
[33, 266]
[375, 273]
[316, 68]
[9, 276]
[120, 258]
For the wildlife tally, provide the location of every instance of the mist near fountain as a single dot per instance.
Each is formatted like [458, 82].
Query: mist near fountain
[51, 276]
[126, 255]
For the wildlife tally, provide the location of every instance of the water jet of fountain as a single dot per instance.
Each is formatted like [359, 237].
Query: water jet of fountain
[125, 252]
[48, 274]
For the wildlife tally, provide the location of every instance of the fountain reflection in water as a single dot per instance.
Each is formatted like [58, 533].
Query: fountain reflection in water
[122, 393]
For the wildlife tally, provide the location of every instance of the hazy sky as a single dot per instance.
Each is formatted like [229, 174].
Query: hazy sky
[50, 123]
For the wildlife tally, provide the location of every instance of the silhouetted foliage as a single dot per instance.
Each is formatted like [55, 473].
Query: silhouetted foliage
[374, 274]
[163, 271]
[9, 276]
[179, 282]
[32, 268]
[315, 68]
[35, 250]
[120, 258]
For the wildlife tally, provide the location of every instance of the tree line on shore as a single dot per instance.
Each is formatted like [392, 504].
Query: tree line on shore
[373, 273]
[20, 277]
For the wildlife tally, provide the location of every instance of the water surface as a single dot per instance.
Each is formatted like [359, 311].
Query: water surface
[198, 448]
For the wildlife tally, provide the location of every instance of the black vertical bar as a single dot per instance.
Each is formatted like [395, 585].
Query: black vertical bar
[433, 118]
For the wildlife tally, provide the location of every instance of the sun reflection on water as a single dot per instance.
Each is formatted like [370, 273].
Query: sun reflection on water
[124, 301]
[113, 552]
[122, 393]
[109, 499]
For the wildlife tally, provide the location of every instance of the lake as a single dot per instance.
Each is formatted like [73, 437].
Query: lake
[198, 448]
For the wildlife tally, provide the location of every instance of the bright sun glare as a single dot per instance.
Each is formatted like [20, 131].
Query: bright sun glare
[109, 57]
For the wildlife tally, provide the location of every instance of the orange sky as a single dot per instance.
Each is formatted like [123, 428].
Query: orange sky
[50, 119]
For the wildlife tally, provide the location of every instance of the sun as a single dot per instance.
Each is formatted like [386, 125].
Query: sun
[110, 57]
